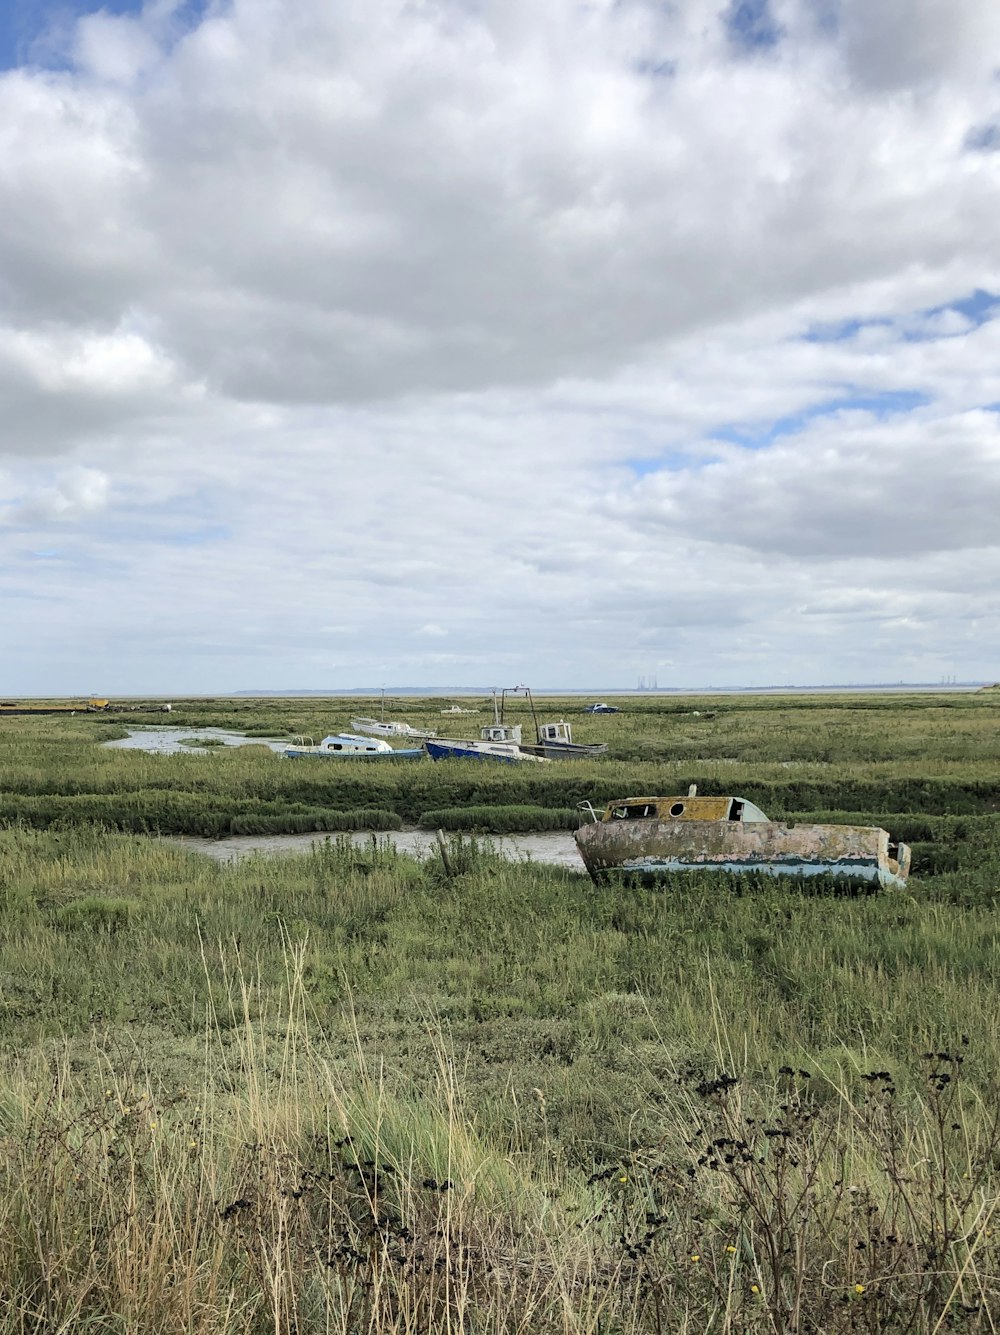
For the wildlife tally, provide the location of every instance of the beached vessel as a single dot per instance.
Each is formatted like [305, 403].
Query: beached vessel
[555, 742]
[499, 742]
[374, 727]
[349, 746]
[647, 838]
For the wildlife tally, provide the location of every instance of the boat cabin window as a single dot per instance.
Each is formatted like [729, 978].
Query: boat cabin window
[633, 811]
[677, 809]
[736, 809]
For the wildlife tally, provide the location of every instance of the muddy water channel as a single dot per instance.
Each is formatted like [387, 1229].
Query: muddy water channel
[169, 741]
[557, 849]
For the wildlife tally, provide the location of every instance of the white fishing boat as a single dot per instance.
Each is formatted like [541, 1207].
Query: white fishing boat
[555, 742]
[350, 746]
[374, 727]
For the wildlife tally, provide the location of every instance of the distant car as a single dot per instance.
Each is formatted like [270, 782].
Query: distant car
[601, 709]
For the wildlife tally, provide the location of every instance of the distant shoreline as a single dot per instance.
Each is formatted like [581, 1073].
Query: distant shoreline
[486, 692]
[617, 691]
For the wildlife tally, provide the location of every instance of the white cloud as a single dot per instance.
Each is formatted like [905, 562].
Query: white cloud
[550, 330]
[74, 494]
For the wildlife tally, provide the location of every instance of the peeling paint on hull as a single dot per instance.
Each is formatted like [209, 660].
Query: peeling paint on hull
[851, 874]
[648, 847]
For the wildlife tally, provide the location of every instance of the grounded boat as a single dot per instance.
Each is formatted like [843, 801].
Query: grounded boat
[349, 746]
[555, 742]
[500, 742]
[379, 728]
[646, 838]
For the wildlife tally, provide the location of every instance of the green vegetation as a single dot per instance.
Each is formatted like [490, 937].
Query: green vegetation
[928, 755]
[500, 819]
[349, 1091]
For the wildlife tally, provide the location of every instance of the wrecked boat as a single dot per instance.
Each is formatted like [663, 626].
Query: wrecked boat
[646, 838]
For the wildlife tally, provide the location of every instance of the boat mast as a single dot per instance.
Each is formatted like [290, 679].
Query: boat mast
[513, 690]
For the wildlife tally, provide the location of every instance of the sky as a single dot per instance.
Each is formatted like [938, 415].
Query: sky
[364, 343]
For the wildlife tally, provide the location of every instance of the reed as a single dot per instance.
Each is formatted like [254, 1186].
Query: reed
[350, 1091]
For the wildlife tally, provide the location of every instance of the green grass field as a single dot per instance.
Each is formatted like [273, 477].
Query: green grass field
[349, 1091]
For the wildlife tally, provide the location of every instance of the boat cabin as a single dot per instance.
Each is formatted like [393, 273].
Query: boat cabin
[346, 741]
[501, 732]
[691, 807]
[555, 732]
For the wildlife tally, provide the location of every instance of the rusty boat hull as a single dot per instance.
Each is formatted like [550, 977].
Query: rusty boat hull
[647, 839]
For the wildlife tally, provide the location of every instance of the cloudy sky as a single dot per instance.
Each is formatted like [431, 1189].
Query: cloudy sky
[352, 343]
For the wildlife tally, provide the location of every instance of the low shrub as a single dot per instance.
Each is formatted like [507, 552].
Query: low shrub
[318, 820]
[501, 820]
[95, 913]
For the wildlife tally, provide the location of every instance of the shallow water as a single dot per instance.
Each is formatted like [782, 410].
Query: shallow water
[556, 849]
[167, 741]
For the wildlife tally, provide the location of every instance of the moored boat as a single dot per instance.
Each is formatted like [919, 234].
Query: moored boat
[555, 742]
[647, 838]
[379, 728]
[498, 741]
[503, 752]
[349, 746]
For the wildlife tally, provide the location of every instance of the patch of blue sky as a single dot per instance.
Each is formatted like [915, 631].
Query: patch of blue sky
[27, 27]
[758, 435]
[838, 331]
[983, 138]
[978, 308]
[750, 25]
[644, 464]
[656, 69]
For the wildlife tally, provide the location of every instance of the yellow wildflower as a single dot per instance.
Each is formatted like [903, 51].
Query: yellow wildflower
[859, 1288]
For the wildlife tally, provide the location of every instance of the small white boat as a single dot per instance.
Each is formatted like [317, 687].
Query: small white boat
[379, 728]
[349, 746]
[555, 742]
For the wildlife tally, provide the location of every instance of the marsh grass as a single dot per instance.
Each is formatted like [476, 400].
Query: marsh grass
[920, 755]
[314, 1196]
[352, 1092]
